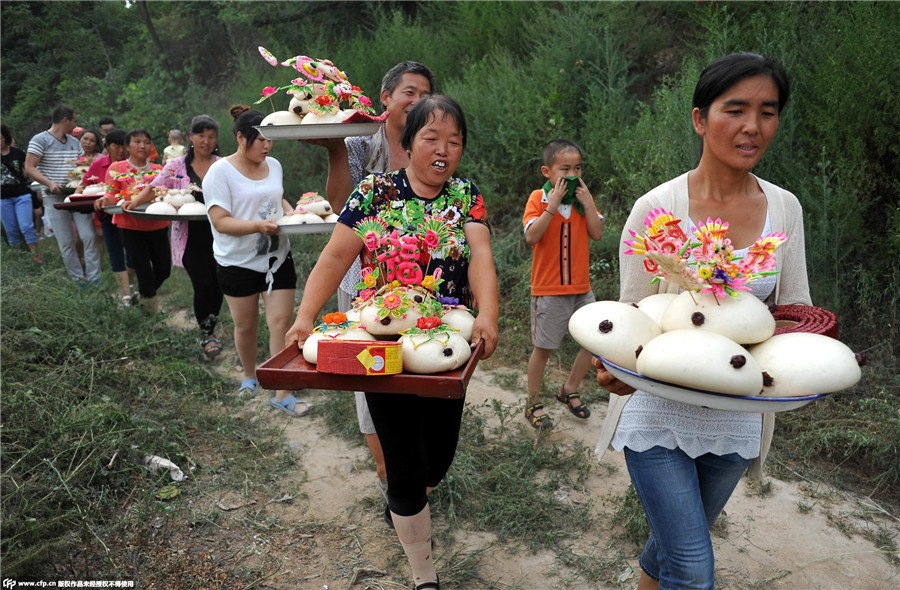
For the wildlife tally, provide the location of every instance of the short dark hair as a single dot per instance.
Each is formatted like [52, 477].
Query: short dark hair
[245, 120]
[556, 146]
[115, 136]
[62, 112]
[106, 121]
[7, 136]
[135, 133]
[422, 112]
[395, 74]
[725, 72]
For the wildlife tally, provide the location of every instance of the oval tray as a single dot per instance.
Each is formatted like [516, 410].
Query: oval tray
[326, 227]
[707, 399]
[144, 215]
[318, 131]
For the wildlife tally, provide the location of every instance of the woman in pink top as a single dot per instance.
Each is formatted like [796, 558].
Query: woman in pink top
[192, 241]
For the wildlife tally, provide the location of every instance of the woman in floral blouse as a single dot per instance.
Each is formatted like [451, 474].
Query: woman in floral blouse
[418, 434]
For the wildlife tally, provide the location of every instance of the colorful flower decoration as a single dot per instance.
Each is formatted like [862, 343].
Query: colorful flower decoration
[703, 261]
[268, 56]
[433, 328]
[332, 88]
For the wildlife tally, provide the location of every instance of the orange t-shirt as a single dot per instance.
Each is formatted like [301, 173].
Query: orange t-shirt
[561, 264]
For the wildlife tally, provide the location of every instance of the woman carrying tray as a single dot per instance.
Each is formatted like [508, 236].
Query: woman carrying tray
[119, 261]
[684, 460]
[146, 241]
[244, 196]
[192, 241]
[418, 434]
[349, 161]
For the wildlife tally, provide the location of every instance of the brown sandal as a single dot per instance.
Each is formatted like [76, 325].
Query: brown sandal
[538, 422]
[581, 411]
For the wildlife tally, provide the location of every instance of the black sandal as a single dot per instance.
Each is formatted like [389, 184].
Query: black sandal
[542, 422]
[581, 411]
[212, 346]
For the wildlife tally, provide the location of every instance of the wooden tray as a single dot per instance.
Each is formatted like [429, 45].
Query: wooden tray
[289, 370]
[77, 207]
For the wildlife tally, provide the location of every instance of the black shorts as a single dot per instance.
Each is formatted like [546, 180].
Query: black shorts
[236, 281]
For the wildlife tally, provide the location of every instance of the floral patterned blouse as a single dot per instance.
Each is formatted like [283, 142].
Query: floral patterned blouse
[390, 198]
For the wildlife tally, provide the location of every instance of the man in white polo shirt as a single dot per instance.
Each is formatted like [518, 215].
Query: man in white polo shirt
[48, 161]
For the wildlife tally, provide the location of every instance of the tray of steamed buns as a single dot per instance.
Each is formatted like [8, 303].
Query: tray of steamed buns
[425, 350]
[172, 205]
[312, 215]
[723, 354]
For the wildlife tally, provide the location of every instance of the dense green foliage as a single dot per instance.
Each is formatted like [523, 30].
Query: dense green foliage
[615, 77]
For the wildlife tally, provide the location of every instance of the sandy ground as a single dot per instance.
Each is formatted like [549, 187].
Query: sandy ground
[767, 543]
[800, 536]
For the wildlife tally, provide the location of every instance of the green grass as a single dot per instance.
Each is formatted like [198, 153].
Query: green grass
[88, 391]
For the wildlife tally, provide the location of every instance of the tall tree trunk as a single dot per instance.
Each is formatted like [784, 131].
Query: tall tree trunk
[145, 12]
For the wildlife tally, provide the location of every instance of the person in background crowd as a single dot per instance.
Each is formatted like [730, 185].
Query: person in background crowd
[176, 147]
[146, 240]
[16, 212]
[48, 161]
[106, 125]
[192, 241]
[119, 261]
[91, 144]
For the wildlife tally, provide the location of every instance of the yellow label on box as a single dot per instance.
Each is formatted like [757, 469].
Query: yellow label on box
[381, 360]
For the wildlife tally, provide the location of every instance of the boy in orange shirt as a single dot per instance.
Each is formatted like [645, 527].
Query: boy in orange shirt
[559, 220]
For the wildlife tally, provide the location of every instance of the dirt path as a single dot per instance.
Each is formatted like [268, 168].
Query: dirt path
[798, 536]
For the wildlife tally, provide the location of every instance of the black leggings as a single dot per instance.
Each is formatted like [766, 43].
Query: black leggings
[152, 257]
[418, 436]
[200, 265]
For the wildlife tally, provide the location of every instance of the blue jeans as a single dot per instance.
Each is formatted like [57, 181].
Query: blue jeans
[17, 217]
[682, 497]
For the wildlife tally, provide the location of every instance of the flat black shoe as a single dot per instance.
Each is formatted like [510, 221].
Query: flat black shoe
[387, 517]
[429, 585]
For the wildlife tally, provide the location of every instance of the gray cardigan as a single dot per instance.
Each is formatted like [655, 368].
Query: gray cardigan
[791, 285]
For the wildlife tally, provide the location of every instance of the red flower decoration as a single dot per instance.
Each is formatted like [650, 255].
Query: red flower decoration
[428, 323]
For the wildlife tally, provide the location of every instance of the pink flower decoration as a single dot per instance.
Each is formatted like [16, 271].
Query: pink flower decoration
[437, 273]
[371, 241]
[268, 91]
[268, 56]
[392, 301]
[364, 101]
[366, 294]
[431, 240]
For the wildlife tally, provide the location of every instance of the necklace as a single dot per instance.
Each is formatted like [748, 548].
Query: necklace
[135, 166]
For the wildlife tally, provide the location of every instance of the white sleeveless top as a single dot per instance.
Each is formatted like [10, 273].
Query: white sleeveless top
[649, 421]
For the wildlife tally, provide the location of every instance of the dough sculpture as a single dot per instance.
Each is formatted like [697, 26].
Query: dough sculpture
[702, 331]
[317, 95]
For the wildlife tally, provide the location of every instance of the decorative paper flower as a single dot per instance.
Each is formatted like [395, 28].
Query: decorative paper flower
[428, 282]
[668, 251]
[268, 56]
